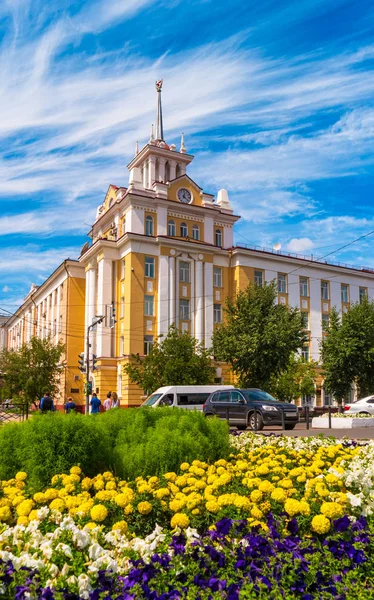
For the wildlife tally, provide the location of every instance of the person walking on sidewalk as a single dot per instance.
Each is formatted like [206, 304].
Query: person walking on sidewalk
[46, 403]
[108, 401]
[95, 404]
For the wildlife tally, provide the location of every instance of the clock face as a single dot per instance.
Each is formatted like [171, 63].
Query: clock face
[184, 196]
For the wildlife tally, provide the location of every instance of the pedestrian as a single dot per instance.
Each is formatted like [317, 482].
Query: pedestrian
[108, 401]
[95, 404]
[70, 405]
[46, 403]
[115, 400]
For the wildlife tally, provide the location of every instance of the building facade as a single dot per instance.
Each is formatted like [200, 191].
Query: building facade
[162, 253]
[55, 310]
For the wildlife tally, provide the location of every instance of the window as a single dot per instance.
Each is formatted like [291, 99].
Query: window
[184, 230]
[324, 290]
[304, 286]
[184, 271]
[196, 232]
[217, 276]
[363, 294]
[148, 343]
[171, 228]
[236, 397]
[282, 283]
[344, 292]
[258, 278]
[60, 324]
[149, 266]
[184, 310]
[123, 269]
[218, 237]
[121, 345]
[122, 308]
[61, 292]
[305, 317]
[149, 306]
[149, 225]
[305, 353]
[217, 313]
[325, 322]
[224, 396]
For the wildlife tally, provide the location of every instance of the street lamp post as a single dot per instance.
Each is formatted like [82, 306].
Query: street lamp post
[96, 321]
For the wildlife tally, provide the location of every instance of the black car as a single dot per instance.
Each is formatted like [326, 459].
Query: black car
[243, 407]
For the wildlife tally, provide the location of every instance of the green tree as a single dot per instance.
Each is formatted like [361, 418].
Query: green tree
[31, 370]
[297, 380]
[347, 350]
[259, 335]
[178, 359]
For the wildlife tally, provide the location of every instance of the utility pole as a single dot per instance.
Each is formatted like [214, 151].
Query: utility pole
[86, 363]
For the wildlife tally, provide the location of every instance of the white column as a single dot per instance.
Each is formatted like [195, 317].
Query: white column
[172, 169]
[171, 290]
[58, 308]
[192, 301]
[293, 291]
[104, 299]
[39, 321]
[48, 319]
[161, 172]
[90, 295]
[145, 174]
[199, 304]
[208, 298]
[163, 295]
[228, 237]
[177, 292]
[208, 230]
[151, 171]
[315, 316]
[162, 217]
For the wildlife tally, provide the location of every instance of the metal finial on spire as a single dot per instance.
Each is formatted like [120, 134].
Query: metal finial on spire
[136, 148]
[159, 125]
[183, 147]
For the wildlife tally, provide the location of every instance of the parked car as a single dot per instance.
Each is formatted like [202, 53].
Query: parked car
[183, 396]
[241, 407]
[364, 406]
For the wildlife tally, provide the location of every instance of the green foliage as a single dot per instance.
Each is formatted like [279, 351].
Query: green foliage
[178, 359]
[130, 442]
[31, 370]
[297, 380]
[259, 335]
[347, 350]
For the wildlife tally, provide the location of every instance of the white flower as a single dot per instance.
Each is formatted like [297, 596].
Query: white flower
[81, 537]
[95, 551]
[65, 549]
[43, 513]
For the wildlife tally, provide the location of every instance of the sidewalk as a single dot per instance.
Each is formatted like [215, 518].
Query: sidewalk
[300, 430]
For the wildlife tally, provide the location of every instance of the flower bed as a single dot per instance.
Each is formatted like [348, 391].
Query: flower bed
[291, 514]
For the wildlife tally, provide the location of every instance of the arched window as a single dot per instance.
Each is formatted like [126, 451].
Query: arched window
[149, 225]
[184, 230]
[171, 228]
[218, 237]
[196, 232]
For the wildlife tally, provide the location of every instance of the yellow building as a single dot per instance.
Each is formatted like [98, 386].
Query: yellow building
[55, 310]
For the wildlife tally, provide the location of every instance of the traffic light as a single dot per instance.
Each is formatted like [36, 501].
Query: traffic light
[112, 315]
[88, 388]
[81, 362]
[94, 361]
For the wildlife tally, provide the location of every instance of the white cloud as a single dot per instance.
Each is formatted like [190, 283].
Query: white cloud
[300, 244]
[6, 289]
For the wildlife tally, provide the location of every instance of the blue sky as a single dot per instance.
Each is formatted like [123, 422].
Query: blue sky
[275, 99]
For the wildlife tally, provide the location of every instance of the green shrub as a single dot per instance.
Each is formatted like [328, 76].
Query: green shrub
[130, 442]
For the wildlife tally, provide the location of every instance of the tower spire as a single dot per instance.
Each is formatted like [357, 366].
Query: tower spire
[159, 125]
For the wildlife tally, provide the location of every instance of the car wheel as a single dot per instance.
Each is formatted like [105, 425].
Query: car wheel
[364, 414]
[290, 426]
[241, 427]
[252, 422]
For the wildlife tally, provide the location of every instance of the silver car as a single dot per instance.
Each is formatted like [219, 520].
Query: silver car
[364, 406]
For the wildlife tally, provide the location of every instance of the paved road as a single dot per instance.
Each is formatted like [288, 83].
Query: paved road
[366, 433]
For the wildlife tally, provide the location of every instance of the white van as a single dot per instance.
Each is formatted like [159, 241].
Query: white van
[183, 396]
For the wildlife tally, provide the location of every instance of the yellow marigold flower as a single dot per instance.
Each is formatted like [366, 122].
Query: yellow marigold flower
[57, 504]
[69, 488]
[39, 497]
[124, 498]
[265, 507]
[33, 515]
[107, 476]
[195, 511]
[256, 513]
[20, 485]
[286, 484]
[212, 506]
[75, 470]
[99, 485]
[211, 478]
[320, 524]
[51, 493]
[304, 508]
[179, 520]
[266, 486]
[332, 510]
[176, 505]
[153, 480]
[120, 526]
[22, 521]
[17, 500]
[86, 483]
[279, 495]
[90, 525]
[262, 470]
[256, 496]
[292, 507]
[170, 476]
[106, 495]
[221, 462]
[161, 493]
[144, 488]
[21, 476]
[24, 508]
[99, 513]
[181, 481]
[144, 508]
[200, 484]
[184, 466]
[5, 514]
[242, 502]
[128, 509]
